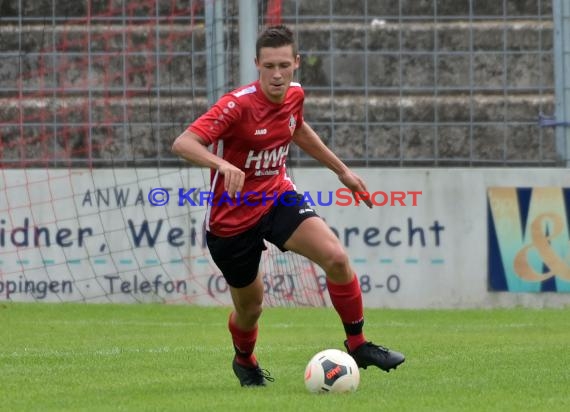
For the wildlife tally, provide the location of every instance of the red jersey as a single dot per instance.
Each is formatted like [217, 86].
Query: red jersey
[252, 133]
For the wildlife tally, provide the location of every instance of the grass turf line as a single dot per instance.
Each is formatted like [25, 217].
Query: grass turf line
[79, 357]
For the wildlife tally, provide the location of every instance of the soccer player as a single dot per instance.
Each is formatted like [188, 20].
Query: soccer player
[251, 129]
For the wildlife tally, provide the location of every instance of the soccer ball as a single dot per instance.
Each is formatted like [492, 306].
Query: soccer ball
[332, 371]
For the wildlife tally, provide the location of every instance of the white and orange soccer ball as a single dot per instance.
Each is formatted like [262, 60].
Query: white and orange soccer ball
[332, 370]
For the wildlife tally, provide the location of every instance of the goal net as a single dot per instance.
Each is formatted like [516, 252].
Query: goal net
[93, 95]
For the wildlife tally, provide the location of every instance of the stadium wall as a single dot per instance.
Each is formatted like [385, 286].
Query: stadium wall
[389, 83]
[458, 238]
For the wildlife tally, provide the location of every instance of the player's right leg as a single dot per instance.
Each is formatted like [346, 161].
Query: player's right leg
[242, 324]
[238, 259]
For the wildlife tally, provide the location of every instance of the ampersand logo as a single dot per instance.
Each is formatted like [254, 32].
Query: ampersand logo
[541, 242]
[529, 239]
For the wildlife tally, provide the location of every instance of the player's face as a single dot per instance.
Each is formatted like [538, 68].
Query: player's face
[276, 68]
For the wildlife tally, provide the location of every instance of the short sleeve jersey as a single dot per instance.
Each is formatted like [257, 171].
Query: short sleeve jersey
[252, 133]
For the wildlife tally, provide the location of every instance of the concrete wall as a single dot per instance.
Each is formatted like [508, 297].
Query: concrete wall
[397, 89]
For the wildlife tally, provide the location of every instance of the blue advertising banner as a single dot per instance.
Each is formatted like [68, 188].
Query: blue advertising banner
[528, 239]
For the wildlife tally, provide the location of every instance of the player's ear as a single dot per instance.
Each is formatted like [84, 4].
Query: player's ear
[297, 61]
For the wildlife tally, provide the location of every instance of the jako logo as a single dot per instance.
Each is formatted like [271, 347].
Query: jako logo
[333, 372]
[260, 132]
[528, 239]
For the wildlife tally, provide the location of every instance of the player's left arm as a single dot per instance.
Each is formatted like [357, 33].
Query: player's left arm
[310, 142]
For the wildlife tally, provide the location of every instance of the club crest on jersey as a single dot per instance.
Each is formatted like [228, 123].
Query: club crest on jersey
[292, 124]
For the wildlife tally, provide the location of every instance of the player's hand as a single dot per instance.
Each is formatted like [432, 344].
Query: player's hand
[356, 186]
[233, 178]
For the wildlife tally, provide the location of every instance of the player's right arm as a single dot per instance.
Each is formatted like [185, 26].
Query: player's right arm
[193, 148]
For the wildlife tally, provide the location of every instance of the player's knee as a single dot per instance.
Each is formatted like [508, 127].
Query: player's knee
[251, 311]
[336, 263]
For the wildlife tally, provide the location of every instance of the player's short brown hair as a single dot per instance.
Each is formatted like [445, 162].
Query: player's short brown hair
[275, 36]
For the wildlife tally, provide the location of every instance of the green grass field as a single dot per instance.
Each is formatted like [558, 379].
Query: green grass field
[77, 357]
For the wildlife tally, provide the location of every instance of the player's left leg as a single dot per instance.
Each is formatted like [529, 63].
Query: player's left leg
[315, 240]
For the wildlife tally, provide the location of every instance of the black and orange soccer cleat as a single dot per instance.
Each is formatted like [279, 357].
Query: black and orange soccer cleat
[251, 376]
[370, 354]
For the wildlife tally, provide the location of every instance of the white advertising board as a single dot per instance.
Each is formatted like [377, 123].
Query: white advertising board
[436, 238]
